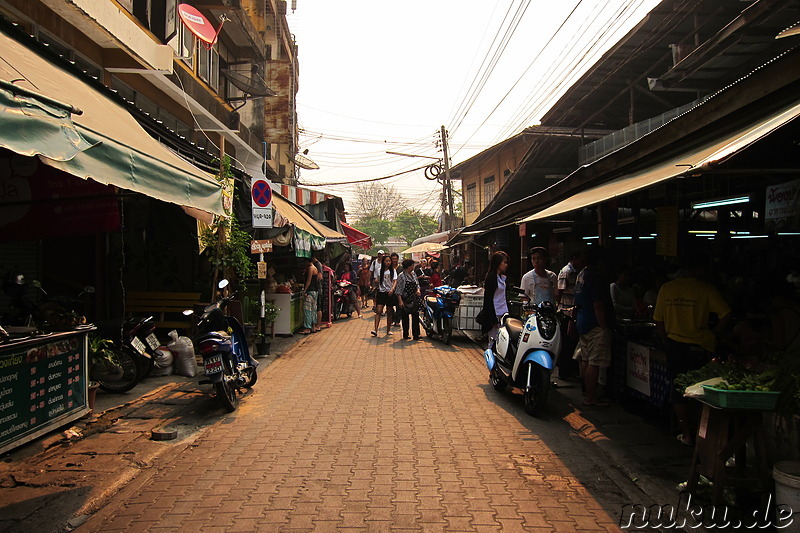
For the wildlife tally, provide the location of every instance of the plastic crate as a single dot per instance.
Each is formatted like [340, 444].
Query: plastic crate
[741, 399]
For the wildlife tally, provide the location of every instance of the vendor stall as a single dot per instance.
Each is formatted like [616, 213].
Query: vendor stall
[43, 385]
[290, 318]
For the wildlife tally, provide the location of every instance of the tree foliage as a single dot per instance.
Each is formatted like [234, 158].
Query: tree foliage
[379, 201]
[410, 225]
[380, 229]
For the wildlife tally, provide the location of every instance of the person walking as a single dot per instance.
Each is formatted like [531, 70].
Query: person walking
[310, 291]
[387, 276]
[396, 314]
[350, 276]
[565, 296]
[495, 302]
[423, 273]
[594, 321]
[408, 298]
[540, 285]
[375, 269]
[364, 282]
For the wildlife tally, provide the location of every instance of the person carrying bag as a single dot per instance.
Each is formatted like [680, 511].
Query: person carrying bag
[409, 298]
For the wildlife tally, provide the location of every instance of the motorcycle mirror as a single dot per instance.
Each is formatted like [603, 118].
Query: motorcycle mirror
[223, 283]
[89, 289]
[36, 283]
[187, 312]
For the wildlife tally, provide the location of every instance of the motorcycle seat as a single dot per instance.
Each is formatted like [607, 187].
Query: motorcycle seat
[514, 327]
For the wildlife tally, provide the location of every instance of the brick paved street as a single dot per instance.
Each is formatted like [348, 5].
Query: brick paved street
[348, 432]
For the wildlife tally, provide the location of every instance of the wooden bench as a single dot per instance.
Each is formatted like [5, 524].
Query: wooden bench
[166, 307]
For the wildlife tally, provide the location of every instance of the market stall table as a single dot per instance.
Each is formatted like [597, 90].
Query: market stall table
[723, 433]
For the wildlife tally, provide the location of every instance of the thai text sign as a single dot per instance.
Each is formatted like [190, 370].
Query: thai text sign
[782, 211]
[637, 375]
[41, 383]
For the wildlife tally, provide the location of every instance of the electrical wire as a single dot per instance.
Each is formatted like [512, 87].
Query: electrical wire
[536, 57]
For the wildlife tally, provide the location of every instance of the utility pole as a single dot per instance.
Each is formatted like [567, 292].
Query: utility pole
[447, 193]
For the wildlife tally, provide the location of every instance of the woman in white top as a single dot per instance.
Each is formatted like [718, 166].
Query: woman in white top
[386, 281]
[495, 303]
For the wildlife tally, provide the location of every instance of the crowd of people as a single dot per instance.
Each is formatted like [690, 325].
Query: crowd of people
[396, 289]
[691, 316]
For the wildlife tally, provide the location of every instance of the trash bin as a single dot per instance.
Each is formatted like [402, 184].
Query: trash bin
[787, 491]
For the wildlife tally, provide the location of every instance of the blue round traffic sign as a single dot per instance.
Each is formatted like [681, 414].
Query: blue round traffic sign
[262, 193]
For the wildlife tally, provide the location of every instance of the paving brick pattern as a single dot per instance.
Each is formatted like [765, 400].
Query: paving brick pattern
[351, 433]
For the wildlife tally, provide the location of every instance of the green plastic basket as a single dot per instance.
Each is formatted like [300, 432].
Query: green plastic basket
[741, 399]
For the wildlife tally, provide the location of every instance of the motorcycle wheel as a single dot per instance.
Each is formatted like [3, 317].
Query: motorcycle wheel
[535, 396]
[146, 365]
[338, 310]
[447, 329]
[226, 393]
[251, 376]
[496, 380]
[128, 361]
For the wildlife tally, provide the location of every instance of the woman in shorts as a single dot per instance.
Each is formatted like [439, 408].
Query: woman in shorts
[386, 282]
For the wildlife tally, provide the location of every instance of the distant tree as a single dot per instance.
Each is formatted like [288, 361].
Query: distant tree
[410, 225]
[376, 200]
[380, 229]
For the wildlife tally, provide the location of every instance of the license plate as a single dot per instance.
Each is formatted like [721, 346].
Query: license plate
[139, 345]
[213, 364]
[152, 341]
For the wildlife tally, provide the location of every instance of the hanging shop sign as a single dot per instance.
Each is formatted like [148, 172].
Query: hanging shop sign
[667, 229]
[260, 247]
[261, 196]
[782, 211]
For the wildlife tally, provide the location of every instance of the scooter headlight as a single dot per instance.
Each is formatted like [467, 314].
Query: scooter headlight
[548, 325]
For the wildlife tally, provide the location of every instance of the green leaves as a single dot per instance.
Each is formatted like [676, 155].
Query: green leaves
[407, 225]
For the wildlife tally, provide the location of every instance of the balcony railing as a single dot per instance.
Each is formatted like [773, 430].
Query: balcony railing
[605, 145]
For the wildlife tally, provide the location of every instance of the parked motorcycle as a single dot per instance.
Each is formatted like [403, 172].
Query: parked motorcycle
[342, 299]
[133, 344]
[222, 343]
[437, 312]
[524, 354]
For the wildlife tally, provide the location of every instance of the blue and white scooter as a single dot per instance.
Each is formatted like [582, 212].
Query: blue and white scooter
[524, 354]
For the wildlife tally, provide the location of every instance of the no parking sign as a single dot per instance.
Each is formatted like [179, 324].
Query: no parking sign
[261, 196]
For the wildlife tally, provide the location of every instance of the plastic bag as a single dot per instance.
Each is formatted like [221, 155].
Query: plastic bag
[183, 354]
[697, 389]
[162, 362]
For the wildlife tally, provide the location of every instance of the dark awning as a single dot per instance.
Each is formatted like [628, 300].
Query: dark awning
[47, 112]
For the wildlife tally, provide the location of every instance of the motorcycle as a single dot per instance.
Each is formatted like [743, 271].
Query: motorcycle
[222, 343]
[438, 309]
[342, 299]
[134, 344]
[524, 353]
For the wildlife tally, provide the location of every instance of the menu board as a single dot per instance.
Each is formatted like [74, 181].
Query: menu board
[41, 383]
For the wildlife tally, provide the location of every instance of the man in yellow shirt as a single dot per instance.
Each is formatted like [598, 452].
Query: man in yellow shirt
[682, 314]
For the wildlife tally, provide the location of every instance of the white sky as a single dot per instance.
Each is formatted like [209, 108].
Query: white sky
[377, 75]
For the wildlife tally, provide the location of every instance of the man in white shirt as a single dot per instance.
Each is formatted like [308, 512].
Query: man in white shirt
[375, 268]
[540, 284]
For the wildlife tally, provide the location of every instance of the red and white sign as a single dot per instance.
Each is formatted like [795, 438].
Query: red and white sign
[261, 196]
[197, 23]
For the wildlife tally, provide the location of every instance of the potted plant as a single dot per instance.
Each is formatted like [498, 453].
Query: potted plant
[262, 338]
[103, 365]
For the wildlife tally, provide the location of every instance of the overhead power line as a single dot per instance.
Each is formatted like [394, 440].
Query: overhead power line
[363, 180]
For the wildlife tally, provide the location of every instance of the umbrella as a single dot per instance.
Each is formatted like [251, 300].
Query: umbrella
[425, 247]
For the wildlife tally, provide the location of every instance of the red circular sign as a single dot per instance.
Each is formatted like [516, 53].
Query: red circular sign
[262, 193]
[197, 23]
